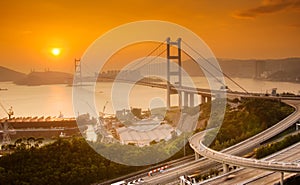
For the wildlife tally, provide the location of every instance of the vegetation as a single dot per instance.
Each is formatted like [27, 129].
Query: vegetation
[249, 118]
[73, 161]
[24, 143]
[276, 146]
[136, 156]
[66, 161]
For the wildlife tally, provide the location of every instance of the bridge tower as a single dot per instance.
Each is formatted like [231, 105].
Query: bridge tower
[174, 57]
[78, 71]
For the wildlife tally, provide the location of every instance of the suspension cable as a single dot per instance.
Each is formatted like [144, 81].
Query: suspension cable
[206, 60]
[142, 60]
[152, 59]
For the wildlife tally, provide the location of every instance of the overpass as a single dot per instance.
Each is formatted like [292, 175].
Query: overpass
[203, 164]
[225, 157]
[253, 176]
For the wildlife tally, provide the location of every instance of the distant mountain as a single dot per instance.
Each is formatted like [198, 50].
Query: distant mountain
[45, 78]
[286, 69]
[7, 75]
[285, 76]
[238, 68]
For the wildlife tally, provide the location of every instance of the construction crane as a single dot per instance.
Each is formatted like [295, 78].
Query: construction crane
[9, 112]
[102, 113]
[104, 106]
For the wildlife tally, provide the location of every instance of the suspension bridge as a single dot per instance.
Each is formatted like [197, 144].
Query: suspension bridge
[165, 62]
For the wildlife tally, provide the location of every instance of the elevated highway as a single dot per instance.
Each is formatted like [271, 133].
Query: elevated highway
[243, 176]
[239, 149]
[245, 162]
[227, 156]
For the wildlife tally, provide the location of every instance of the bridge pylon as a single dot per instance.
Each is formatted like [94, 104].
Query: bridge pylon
[174, 57]
[78, 73]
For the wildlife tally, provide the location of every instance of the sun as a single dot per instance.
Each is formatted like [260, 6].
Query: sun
[55, 51]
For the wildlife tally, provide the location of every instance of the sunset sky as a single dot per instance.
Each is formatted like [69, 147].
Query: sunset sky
[242, 29]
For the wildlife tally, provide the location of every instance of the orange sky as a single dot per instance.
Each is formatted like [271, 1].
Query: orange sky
[231, 28]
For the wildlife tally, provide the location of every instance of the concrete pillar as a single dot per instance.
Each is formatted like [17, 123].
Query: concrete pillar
[225, 168]
[186, 99]
[203, 99]
[180, 99]
[197, 156]
[168, 96]
[168, 75]
[192, 96]
[281, 178]
[208, 98]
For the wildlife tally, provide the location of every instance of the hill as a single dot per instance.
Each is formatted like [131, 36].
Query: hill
[286, 69]
[9, 75]
[45, 78]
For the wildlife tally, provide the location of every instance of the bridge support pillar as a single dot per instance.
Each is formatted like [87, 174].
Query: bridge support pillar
[297, 125]
[281, 178]
[197, 156]
[168, 97]
[181, 182]
[203, 99]
[180, 99]
[225, 168]
[208, 99]
[192, 96]
[186, 99]
[189, 99]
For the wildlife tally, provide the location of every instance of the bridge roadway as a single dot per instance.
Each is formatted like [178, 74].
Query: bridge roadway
[204, 164]
[208, 92]
[243, 176]
[228, 158]
[174, 88]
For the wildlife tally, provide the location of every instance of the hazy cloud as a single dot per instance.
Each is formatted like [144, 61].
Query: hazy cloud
[268, 7]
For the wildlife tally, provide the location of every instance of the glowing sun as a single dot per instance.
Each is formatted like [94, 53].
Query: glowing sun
[55, 51]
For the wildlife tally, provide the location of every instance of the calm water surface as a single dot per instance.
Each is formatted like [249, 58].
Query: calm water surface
[50, 100]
